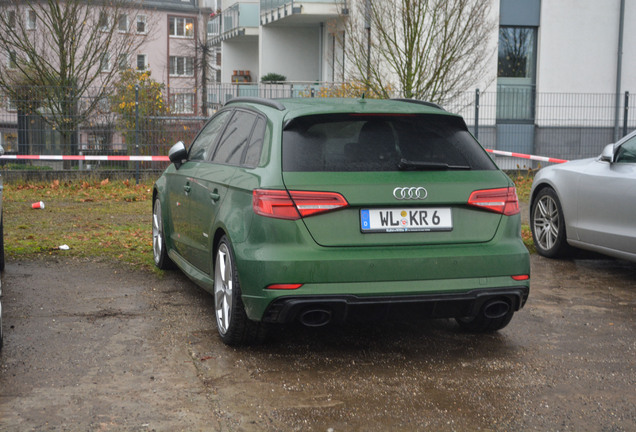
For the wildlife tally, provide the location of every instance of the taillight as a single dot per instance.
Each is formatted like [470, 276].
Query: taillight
[520, 277]
[293, 205]
[502, 200]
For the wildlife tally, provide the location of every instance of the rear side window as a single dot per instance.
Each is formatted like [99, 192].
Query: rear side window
[358, 142]
[253, 152]
[235, 138]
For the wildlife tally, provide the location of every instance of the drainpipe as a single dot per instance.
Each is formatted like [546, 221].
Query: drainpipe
[619, 67]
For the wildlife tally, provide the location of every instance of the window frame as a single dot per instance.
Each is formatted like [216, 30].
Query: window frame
[175, 22]
[179, 100]
[31, 24]
[119, 22]
[123, 61]
[145, 61]
[173, 66]
[105, 65]
[141, 19]
[104, 21]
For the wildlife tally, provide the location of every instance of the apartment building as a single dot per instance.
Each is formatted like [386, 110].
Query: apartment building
[564, 47]
[172, 35]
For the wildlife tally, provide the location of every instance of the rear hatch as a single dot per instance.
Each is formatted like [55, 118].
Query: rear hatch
[407, 179]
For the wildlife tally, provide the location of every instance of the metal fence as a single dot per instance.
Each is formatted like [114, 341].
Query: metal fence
[565, 126]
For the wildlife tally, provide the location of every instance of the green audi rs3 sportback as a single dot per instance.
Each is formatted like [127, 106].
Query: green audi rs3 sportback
[320, 210]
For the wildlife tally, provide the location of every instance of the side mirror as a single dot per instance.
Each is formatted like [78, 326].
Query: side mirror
[178, 154]
[608, 153]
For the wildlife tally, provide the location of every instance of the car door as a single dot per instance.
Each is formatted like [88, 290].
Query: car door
[213, 185]
[182, 185]
[607, 201]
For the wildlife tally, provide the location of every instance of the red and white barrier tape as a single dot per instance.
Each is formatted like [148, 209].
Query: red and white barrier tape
[526, 156]
[88, 158]
[166, 159]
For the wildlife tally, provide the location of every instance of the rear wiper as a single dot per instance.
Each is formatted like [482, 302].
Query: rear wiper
[407, 165]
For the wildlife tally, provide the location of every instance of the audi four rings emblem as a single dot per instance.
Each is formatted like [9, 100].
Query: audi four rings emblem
[405, 193]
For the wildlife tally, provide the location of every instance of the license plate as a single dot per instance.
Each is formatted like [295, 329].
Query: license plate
[406, 220]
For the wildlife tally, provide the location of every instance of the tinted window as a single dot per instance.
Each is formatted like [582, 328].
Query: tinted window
[627, 152]
[235, 138]
[253, 153]
[350, 142]
[202, 146]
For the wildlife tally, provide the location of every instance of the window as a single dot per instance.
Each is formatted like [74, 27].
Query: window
[31, 19]
[141, 24]
[182, 103]
[203, 145]
[104, 64]
[235, 138]
[627, 152]
[122, 62]
[181, 66]
[516, 52]
[103, 22]
[181, 27]
[253, 153]
[516, 73]
[12, 60]
[343, 142]
[11, 19]
[142, 62]
[122, 23]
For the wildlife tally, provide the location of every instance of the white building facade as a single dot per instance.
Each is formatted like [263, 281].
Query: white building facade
[559, 47]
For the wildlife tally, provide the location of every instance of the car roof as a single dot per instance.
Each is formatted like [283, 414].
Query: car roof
[298, 107]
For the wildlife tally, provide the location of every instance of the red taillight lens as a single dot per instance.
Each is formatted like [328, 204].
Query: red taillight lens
[284, 286]
[502, 200]
[520, 277]
[295, 204]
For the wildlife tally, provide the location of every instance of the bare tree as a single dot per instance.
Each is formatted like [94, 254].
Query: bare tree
[70, 50]
[423, 49]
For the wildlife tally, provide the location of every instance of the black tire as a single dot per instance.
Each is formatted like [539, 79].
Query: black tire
[548, 225]
[483, 324]
[233, 325]
[159, 250]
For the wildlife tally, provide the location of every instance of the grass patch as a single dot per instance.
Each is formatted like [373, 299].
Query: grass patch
[97, 220]
[101, 220]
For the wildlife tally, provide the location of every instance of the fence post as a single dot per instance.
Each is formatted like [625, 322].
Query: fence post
[477, 113]
[137, 131]
[625, 113]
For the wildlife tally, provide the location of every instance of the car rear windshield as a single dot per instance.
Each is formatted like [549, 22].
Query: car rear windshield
[363, 142]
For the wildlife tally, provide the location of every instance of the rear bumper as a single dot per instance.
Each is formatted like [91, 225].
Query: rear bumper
[340, 308]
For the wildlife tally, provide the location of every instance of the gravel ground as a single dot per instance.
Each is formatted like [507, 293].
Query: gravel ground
[96, 346]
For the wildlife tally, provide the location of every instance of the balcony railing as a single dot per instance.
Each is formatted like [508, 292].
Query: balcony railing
[233, 20]
[273, 4]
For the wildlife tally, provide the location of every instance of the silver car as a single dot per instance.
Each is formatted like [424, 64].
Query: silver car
[588, 204]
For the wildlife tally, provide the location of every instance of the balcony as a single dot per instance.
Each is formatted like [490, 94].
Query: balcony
[301, 12]
[238, 21]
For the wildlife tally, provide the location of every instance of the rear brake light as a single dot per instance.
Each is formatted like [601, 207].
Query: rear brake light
[520, 277]
[293, 205]
[502, 200]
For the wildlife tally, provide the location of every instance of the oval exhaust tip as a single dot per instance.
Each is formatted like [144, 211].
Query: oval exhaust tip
[315, 317]
[496, 309]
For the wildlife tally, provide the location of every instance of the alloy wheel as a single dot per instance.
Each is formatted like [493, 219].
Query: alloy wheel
[157, 232]
[223, 285]
[547, 221]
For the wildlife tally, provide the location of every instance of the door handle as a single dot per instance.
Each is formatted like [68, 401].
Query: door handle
[187, 189]
[214, 196]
